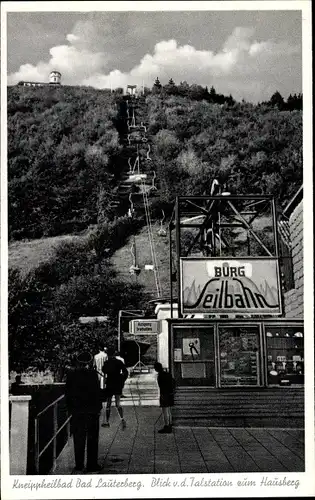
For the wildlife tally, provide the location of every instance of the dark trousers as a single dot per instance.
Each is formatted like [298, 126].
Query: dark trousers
[85, 428]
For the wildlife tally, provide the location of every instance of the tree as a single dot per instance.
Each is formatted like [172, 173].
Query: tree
[183, 89]
[277, 100]
[29, 321]
[294, 102]
[170, 88]
[156, 86]
[196, 92]
[45, 306]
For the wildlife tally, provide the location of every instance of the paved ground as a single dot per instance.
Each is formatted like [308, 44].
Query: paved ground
[139, 449]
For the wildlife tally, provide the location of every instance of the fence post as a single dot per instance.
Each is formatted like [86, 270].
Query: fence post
[68, 430]
[36, 444]
[55, 429]
[19, 434]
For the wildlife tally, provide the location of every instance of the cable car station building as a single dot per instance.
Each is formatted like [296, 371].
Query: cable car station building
[232, 333]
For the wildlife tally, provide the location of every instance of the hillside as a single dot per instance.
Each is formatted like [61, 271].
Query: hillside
[123, 259]
[27, 255]
[74, 213]
[67, 152]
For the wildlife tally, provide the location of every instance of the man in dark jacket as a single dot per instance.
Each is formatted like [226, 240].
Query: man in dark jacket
[17, 386]
[84, 403]
[116, 374]
[167, 386]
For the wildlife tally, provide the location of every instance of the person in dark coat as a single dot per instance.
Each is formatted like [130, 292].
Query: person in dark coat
[83, 396]
[17, 386]
[166, 386]
[116, 374]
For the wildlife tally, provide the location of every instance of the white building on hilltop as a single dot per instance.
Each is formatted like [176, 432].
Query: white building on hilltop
[54, 80]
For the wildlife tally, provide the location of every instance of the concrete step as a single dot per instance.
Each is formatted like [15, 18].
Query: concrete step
[297, 423]
[141, 390]
[241, 407]
[141, 402]
[235, 391]
[236, 402]
[199, 406]
[235, 412]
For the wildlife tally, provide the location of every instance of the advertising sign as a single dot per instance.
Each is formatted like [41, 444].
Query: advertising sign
[191, 347]
[236, 286]
[144, 326]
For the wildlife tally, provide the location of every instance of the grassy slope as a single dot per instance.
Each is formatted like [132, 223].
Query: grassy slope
[27, 255]
[123, 259]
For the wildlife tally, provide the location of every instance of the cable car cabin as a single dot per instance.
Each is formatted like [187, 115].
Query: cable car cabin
[142, 127]
[114, 204]
[130, 213]
[162, 232]
[136, 127]
[134, 270]
[136, 178]
[147, 189]
[136, 137]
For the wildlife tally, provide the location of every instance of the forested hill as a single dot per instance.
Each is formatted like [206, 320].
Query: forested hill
[67, 163]
[65, 152]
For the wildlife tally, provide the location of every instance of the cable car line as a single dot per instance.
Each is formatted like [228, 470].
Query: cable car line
[135, 176]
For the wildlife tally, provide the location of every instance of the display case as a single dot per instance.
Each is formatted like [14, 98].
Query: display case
[242, 352]
[285, 354]
[239, 355]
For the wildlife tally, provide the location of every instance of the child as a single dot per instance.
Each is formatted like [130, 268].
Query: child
[166, 386]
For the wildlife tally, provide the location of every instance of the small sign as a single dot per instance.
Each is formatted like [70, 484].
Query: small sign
[144, 326]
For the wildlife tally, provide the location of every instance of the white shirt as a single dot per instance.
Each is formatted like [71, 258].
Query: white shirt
[99, 360]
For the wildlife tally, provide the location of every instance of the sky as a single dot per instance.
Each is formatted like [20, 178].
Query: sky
[248, 54]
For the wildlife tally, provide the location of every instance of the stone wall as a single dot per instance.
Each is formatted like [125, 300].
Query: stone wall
[294, 299]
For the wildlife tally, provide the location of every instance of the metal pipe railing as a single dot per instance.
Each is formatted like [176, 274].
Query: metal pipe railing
[56, 431]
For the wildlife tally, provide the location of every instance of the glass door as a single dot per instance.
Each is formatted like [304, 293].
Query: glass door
[194, 356]
[239, 359]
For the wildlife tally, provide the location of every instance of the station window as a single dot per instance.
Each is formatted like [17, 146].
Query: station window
[239, 355]
[285, 355]
[194, 356]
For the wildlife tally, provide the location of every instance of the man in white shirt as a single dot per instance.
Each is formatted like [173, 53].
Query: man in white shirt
[99, 360]
[98, 363]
